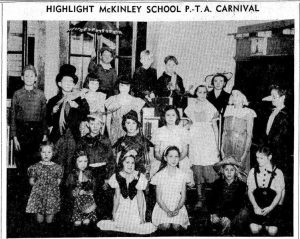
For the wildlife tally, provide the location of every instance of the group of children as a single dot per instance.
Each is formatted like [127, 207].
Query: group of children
[95, 157]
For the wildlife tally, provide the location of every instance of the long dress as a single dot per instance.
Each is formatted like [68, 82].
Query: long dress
[127, 217]
[235, 134]
[45, 194]
[118, 109]
[177, 136]
[203, 146]
[171, 194]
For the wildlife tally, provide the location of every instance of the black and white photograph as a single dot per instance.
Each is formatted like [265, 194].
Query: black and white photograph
[144, 125]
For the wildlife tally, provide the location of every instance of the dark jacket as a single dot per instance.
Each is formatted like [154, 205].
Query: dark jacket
[227, 200]
[144, 81]
[221, 102]
[73, 119]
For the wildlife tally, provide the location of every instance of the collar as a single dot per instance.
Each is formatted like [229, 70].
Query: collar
[33, 91]
[105, 66]
[277, 110]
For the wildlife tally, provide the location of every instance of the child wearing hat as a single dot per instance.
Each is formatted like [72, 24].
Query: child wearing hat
[104, 71]
[65, 111]
[119, 105]
[226, 204]
[145, 77]
[28, 120]
[101, 161]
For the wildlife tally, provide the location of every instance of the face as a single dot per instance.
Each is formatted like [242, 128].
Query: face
[95, 126]
[236, 99]
[47, 153]
[29, 78]
[93, 85]
[201, 93]
[172, 158]
[67, 84]
[219, 83]
[146, 61]
[124, 88]
[277, 100]
[128, 165]
[82, 162]
[171, 117]
[131, 126]
[170, 67]
[106, 57]
[229, 172]
[263, 159]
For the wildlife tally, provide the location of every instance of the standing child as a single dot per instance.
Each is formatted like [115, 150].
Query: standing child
[104, 72]
[170, 184]
[226, 204]
[28, 122]
[266, 188]
[145, 77]
[170, 84]
[45, 177]
[81, 183]
[65, 112]
[129, 202]
[94, 98]
[204, 137]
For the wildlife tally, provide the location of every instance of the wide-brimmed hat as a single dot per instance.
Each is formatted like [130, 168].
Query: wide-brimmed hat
[226, 75]
[131, 115]
[230, 160]
[67, 70]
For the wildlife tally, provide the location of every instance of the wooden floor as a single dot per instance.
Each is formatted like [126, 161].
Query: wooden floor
[21, 224]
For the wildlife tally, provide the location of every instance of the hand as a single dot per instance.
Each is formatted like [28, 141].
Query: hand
[266, 210]
[214, 218]
[175, 212]
[45, 138]
[73, 104]
[17, 144]
[148, 98]
[170, 214]
[113, 216]
[142, 221]
[93, 53]
[105, 185]
[55, 109]
[152, 95]
[257, 210]
[226, 224]
[81, 192]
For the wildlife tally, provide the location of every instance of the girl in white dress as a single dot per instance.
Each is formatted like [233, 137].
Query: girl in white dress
[129, 202]
[170, 182]
[203, 150]
[172, 133]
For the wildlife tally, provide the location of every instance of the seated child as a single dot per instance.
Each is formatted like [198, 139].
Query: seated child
[45, 177]
[101, 161]
[105, 73]
[128, 213]
[94, 98]
[265, 189]
[226, 204]
[170, 84]
[81, 184]
[170, 182]
[145, 77]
